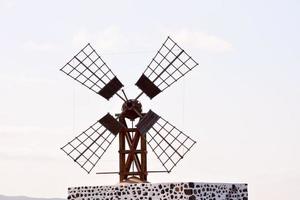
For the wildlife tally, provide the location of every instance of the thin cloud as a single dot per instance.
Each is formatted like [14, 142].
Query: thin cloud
[109, 39]
[28, 130]
[39, 46]
[113, 39]
[28, 154]
[29, 143]
[7, 4]
[202, 41]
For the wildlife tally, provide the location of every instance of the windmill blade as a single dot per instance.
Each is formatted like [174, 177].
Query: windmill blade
[88, 68]
[169, 64]
[87, 148]
[167, 142]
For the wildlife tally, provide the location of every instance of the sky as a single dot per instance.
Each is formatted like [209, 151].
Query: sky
[241, 104]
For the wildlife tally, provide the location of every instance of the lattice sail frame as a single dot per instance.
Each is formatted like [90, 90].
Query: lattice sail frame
[168, 143]
[87, 148]
[169, 64]
[88, 68]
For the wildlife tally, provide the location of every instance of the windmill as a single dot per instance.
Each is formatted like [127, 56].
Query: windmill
[135, 129]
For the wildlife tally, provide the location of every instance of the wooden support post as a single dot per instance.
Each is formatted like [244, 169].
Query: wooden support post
[134, 155]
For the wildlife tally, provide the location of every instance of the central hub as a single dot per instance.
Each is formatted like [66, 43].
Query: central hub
[131, 108]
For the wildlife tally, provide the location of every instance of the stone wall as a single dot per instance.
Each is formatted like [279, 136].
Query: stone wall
[161, 191]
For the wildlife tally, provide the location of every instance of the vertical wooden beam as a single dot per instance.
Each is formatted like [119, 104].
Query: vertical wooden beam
[122, 150]
[144, 158]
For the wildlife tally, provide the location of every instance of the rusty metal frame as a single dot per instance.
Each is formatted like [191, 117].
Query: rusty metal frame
[168, 143]
[130, 157]
[88, 148]
[169, 64]
[88, 68]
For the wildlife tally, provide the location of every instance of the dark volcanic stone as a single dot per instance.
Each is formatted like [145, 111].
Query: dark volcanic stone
[191, 185]
[188, 191]
[192, 197]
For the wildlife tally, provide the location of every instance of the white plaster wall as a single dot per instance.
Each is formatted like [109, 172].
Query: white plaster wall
[161, 191]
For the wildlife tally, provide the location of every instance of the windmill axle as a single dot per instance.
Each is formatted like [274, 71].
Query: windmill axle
[131, 109]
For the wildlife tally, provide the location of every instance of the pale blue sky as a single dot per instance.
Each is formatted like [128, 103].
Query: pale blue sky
[241, 104]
